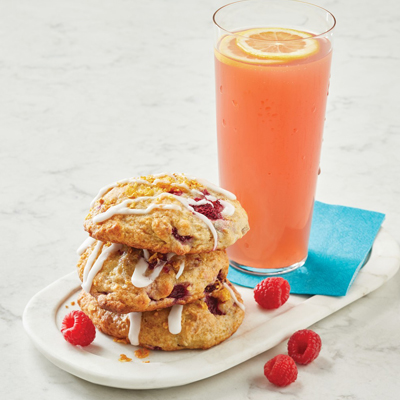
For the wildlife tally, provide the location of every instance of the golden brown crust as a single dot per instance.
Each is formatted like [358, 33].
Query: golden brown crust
[176, 230]
[201, 329]
[113, 288]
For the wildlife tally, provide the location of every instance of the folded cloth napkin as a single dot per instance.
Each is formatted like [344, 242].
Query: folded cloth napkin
[340, 241]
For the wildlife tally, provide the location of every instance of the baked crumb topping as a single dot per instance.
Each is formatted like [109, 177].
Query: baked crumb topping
[142, 353]
[124, 358]
[174, 183]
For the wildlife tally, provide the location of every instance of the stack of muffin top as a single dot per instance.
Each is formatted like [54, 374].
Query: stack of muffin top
[154, 268]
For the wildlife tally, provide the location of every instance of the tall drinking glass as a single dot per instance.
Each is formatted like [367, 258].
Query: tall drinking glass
[272, 65]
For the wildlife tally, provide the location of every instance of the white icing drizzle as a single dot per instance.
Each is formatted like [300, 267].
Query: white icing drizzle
[98, 265]
[85, 245]
[139, 278]
[164, 174]
[181, 268]
[175, 319]
[90, 260]
[122, 208]
[228, 210]
[105, 189]
[211, 198]
[184, 186]
[234, 297]
[160, 181]
[135, 320]
[211, 226]
[213, 187]
[217, 189]
[201, 202]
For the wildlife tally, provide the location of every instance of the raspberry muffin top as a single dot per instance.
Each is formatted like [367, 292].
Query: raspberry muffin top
[167, 213]
[198, 325]
[125, 279]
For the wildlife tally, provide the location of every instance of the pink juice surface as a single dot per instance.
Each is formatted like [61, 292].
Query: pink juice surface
[270, 120]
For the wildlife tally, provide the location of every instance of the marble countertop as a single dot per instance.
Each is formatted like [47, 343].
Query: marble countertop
[95, 91]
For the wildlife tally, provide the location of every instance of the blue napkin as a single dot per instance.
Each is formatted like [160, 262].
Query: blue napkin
[340, 241]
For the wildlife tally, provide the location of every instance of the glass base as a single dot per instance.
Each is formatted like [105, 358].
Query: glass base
[267, 271]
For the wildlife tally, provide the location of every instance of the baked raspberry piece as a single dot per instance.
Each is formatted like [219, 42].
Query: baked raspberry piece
[211, 211]
[179, 291]
[212, 304]
[78, 329]
[272, 293]
[212, 286]
[154, 262]
[281, 370]
[176, 192]
[177, 236]
[304, 346]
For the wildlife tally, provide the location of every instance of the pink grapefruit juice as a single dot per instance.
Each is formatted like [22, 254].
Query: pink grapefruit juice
[270, 120]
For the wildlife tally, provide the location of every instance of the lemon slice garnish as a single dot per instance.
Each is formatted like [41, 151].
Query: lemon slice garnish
[276, 43]
[228, 50]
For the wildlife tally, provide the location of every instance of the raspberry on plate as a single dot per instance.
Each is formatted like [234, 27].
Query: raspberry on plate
[78, 329]
[304, 346]
[272, 293]
[281, 370]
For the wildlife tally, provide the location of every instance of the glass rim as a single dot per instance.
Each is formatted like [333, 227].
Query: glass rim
[275, 41]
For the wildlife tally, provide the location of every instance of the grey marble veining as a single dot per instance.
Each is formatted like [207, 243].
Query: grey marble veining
[94, 91]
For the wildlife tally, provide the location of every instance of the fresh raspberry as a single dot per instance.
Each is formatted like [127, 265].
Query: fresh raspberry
[272, 292]
[78, 329]
[211, 211]
[281, 370]
[304, 346]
